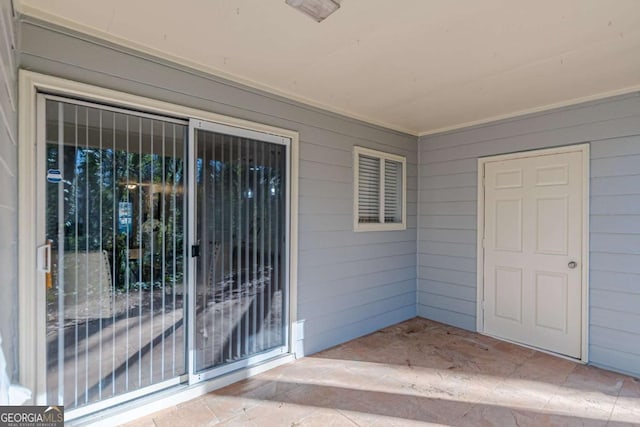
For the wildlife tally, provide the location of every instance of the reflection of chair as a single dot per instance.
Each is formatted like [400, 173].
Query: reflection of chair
[88, 286]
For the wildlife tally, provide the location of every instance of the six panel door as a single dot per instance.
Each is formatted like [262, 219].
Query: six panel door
[533, 245]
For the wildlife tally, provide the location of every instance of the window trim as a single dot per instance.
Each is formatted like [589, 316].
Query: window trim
[383, 156]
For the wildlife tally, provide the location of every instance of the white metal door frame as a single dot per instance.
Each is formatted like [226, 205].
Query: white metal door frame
[584, 150]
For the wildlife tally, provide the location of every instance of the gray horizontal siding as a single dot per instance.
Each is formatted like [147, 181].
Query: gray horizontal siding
[349, 283]
[8, 194]
[615, 254]
[447, 203]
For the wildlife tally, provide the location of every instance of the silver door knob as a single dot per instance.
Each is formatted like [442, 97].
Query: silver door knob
[572, 264]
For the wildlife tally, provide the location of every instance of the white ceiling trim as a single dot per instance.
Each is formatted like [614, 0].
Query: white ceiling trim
[27, 10]
[541, 109]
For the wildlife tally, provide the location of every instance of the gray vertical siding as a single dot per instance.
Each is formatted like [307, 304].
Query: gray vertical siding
[446, 285]
[349, 283]
[8, 189]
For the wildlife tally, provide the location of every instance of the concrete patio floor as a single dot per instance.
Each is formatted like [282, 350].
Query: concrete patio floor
[419, 372]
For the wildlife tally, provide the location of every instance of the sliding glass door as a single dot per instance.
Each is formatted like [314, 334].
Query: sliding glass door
[114, 225]
[240, 248]
[164, 251]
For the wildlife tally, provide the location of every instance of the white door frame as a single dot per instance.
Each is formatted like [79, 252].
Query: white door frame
[581, 148]
[31, 311]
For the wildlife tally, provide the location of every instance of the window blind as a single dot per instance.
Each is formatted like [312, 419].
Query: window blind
[392, 192]
[368, 189]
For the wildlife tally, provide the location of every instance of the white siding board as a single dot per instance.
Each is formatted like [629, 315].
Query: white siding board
[621, 127]
[465, 250]
[318, 257]
[315, 170]
[613, 281]
[458, 222]
[623, 341]
[448, 208]
[352, 300]
[616, 166]
[324, 188]
[370, 324]
[465, 194]
[322, 154]
[8, 152]
[446, 168]
[8, 192]
[611, 319]
[446, 303]
[615, 301]
[614, 360]
[330, 239]
[325, 222]
[345, 270]
[449, 181]
[460, 320]
[615, 243]
[336, 320]
[448, 235]
[325, 205]
[547, 120]
[615, 147]
[615, 224]
[450, 290]
[615, 205]
[456, 263]
[616, 185]
[623, 263]
[461, 278]
[324, 292]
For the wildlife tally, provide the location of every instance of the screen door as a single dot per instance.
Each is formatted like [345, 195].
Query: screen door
[240, 248]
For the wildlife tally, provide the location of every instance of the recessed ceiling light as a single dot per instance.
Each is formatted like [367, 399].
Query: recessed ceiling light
[317, 9]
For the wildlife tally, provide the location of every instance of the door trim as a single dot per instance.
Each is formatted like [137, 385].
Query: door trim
[581, 148]
[32, 320]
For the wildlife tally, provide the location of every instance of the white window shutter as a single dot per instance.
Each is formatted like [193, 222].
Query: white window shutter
[368, 189]
[392, 192]
[379, 190]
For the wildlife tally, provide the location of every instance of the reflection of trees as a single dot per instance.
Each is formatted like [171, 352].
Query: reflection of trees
[95, 181]
[241, 200]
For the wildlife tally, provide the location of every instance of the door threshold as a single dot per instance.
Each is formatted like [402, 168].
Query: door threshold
[541, 350]
[173, 396]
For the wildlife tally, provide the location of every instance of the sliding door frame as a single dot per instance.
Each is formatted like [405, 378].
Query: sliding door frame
[216, 371]
[32, 322]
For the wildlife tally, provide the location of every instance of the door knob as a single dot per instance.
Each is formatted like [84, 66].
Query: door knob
[572, 264]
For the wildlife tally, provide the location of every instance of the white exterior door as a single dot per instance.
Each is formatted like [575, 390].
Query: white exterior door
[533, 215]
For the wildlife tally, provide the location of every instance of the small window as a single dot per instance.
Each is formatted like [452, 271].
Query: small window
[379, 190]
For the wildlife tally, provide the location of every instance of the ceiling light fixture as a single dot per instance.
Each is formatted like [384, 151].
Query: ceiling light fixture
[317, 9]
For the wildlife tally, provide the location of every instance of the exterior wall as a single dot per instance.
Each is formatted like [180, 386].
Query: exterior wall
[9, 189]
[349, 284]
[447, 217]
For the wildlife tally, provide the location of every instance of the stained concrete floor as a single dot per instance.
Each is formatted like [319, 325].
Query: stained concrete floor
[419, 372]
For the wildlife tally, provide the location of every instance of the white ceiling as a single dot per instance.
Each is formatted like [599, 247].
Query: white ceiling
[414, 65]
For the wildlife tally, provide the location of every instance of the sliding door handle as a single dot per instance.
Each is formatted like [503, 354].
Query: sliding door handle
[44, 258]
